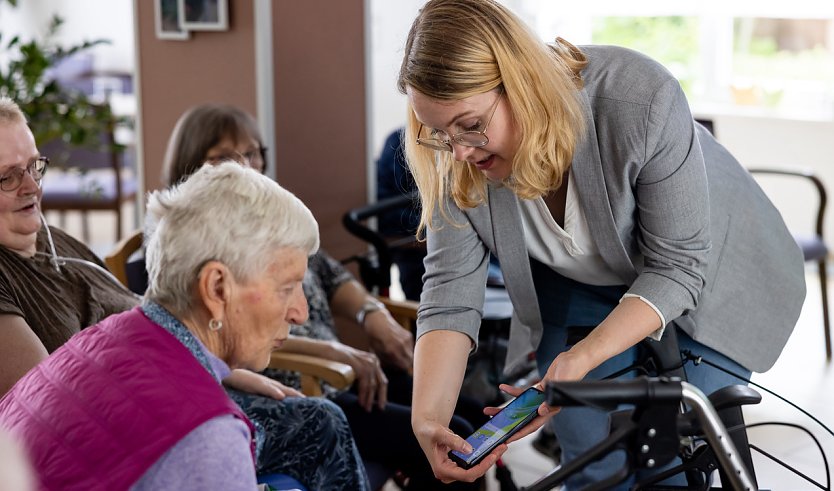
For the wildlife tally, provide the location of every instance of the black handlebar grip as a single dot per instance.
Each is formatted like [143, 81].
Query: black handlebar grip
[610, 393]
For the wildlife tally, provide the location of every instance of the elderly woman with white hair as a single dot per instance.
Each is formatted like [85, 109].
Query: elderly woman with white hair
[135, 402]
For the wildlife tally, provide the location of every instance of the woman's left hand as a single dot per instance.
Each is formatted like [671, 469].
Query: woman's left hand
[545, 412]
[567, 366]
[255, 383]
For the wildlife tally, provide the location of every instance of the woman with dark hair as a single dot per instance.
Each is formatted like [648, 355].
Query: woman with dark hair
[212, 133]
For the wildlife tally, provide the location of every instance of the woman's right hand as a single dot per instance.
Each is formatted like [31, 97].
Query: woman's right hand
[372, 384]
[437, 440]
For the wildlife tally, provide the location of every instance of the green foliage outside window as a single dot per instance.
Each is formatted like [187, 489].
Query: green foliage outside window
[53, 111]
[760, 57]
[673, 41]
[767, 64]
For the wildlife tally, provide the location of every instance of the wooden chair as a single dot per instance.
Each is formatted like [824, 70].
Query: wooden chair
[403, 311]
[93, 179]
[117, 260]
[813, 245]
[313, 369]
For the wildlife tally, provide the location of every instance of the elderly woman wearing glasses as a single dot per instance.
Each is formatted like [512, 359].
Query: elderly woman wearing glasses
[42, 301]
[136, 401]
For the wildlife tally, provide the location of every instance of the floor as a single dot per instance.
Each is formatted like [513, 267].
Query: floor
[801, 375]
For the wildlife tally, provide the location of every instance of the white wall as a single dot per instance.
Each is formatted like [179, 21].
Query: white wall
[388, 28]
[762, 141]
[84, 20]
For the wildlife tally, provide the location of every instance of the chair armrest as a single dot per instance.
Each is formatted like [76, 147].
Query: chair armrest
[313, 370]
[375, 274]
[403, 311]
[116, 260]
[783, 171]
[803, 173]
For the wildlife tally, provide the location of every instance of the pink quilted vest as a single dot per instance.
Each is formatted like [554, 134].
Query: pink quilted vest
[102, 409]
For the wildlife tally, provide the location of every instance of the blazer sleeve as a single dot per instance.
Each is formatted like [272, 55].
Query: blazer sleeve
[672, 200]
[455, 278]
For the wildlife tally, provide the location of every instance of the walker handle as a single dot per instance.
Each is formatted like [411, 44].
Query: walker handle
[610, 393]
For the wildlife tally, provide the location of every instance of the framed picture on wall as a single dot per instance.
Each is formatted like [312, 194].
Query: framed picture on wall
[204, 15]
[168, 25]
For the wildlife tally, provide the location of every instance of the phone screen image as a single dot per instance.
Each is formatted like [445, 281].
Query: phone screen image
[500, 427]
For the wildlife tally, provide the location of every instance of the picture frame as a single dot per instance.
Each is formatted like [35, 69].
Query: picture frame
[204, 15]
[168, 24]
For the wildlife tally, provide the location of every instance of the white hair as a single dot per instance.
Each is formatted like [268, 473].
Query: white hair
[10, 112]
[226, 213]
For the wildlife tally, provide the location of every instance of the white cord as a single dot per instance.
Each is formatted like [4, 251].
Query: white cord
[54, 258]
[58, 261]
[62, 261]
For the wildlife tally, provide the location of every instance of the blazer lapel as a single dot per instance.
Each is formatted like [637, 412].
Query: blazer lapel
[511, 249]
[593, 196]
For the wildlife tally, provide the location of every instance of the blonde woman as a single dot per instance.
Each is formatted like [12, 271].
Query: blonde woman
[583, 171]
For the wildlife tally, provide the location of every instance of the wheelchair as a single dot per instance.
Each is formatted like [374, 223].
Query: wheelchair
[485, 370]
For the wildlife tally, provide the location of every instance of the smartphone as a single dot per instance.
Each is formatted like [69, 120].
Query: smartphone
[500, 427]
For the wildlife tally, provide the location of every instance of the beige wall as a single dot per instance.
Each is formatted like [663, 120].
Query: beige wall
[319, 97]
[175, 75]
[319, 53]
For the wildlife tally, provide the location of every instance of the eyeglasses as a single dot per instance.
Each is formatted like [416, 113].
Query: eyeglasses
[440, 140]
[14, 178]
[255, 158]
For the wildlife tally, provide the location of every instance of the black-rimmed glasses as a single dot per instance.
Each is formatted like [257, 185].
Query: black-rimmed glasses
[12, 180]
[255, 158]
[440, 140]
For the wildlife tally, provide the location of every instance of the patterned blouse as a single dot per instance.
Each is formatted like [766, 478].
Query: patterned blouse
[324, 276]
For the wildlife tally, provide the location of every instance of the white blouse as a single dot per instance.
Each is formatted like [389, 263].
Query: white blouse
[570, 251]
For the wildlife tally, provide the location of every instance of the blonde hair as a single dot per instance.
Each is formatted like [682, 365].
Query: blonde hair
[459, 48]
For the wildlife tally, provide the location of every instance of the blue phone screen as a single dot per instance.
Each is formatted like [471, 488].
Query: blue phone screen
[501, 424]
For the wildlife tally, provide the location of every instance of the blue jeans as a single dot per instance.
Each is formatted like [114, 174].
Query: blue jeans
[564, 303]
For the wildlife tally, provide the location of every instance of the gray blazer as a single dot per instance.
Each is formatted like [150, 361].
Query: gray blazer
[674, 215]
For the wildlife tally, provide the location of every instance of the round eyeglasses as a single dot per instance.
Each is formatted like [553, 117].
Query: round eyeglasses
[440, 140]
[255, 158]
[12, 180]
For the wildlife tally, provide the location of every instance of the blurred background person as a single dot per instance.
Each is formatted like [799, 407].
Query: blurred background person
[393, 179]
[15, 471]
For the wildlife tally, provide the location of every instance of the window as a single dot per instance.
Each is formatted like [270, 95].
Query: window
[764, 58]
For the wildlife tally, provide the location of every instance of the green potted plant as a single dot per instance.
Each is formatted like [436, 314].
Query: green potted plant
[54, 112]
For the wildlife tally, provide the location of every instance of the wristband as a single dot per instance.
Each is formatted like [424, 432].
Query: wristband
[370, 305]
